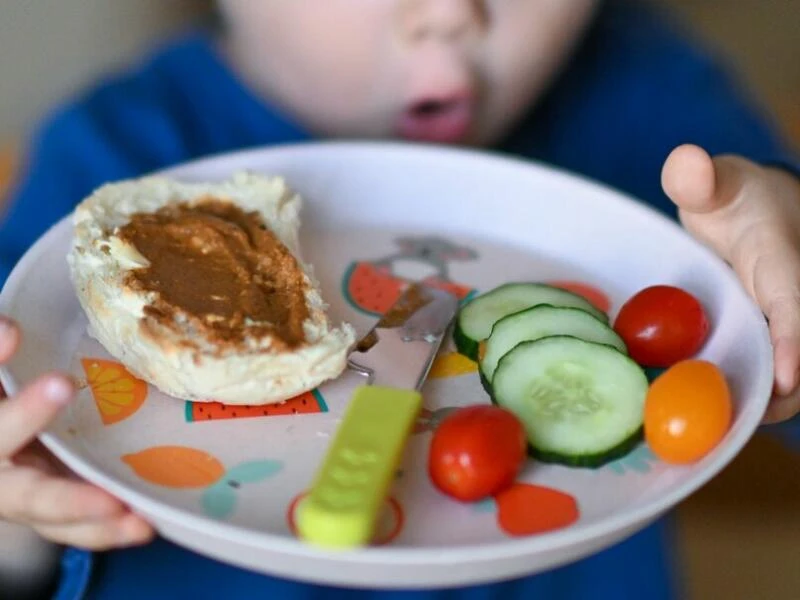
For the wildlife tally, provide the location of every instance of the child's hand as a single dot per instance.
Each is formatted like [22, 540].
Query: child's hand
[751, 216]
[35, 489]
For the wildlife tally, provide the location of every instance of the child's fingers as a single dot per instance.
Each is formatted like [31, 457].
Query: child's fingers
[114, 532]
[784, 317]
[36, 456]
[30, 411]
[719, 199]
[776, 287]
[30, 496]
[9, 339]
[782, 408]
[699, 184]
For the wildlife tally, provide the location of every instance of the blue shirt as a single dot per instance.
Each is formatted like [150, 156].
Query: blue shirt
[635, 89]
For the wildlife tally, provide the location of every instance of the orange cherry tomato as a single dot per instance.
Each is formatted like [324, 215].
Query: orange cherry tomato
[476, 452]
[687, 412]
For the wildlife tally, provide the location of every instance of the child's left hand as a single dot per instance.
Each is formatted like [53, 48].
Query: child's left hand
[750, 215]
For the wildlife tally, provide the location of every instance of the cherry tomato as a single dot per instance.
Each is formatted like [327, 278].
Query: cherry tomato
[662, 325]
[687, 411]
[476, 452]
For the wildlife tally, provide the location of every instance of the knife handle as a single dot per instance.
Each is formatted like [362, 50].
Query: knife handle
[350, 488]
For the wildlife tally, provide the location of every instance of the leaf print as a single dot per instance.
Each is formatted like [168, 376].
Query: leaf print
[639, 460]
[219, 500]
[252, 471]
[488, 505]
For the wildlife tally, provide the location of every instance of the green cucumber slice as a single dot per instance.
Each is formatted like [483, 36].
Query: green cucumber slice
[544, 321]
[476, 318]
[582, 403]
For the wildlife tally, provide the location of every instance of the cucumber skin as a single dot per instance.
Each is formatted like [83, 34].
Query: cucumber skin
[487, 386]
[590, 461]
[469, 347]
[465, 344]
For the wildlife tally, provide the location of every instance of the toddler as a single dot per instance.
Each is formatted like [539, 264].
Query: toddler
[611, 89]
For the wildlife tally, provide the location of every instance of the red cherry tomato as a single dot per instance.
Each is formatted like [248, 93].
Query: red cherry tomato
[662, 325]
[476, 452]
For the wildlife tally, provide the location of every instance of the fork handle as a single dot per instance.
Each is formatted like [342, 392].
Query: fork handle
[350, 487]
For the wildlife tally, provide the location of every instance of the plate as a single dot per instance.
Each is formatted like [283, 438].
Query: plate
[223, 481]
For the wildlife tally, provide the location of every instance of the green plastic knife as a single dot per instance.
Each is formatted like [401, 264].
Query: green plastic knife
[347, 495]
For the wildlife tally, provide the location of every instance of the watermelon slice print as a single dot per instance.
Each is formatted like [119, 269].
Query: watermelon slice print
[372, 289]
[462, 292]
[307, 403]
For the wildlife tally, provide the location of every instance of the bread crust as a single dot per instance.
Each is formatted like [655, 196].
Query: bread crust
[178, 360]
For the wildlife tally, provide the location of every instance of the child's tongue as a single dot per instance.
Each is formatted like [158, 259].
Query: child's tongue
[436, 121]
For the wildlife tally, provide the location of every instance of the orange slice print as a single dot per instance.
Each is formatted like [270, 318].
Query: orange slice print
[116, 392]
[175, 466]
[452, 364]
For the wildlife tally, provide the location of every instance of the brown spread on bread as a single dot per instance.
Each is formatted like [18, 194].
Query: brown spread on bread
[220, 267]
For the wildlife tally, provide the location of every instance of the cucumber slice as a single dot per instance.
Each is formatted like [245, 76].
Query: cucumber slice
[582, 403]
[476, 318]
[544, 321]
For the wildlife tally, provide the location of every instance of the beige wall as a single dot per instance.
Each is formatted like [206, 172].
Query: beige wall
[48, 48]
[761, 37]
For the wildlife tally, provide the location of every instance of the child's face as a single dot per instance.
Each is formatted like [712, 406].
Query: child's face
[450, 71]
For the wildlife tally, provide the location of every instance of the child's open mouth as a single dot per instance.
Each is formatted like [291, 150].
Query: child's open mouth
[442, 121]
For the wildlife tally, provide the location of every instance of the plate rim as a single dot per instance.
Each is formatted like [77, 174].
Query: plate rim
[401, 555]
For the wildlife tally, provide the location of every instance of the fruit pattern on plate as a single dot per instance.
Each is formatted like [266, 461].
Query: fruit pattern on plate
[182, 467]
[373, 286]
[116, 393]
[306, 403]
[550, 361]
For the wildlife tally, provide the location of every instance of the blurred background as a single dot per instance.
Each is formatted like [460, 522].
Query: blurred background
[740, 535]
[63, 44]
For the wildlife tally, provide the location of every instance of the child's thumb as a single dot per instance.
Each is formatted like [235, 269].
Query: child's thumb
[698, 184]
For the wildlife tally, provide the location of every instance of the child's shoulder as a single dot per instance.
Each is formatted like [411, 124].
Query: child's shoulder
[147, 101]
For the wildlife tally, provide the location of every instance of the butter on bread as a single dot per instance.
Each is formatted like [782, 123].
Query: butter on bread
[178, 357]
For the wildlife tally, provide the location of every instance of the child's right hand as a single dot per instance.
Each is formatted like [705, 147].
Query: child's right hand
[35, 488]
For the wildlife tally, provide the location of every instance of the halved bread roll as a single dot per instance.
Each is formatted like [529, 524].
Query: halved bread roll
[200, 288]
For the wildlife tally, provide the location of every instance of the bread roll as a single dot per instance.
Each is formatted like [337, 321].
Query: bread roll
[202, 354]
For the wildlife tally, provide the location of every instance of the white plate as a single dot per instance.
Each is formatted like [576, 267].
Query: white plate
[224, 487]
